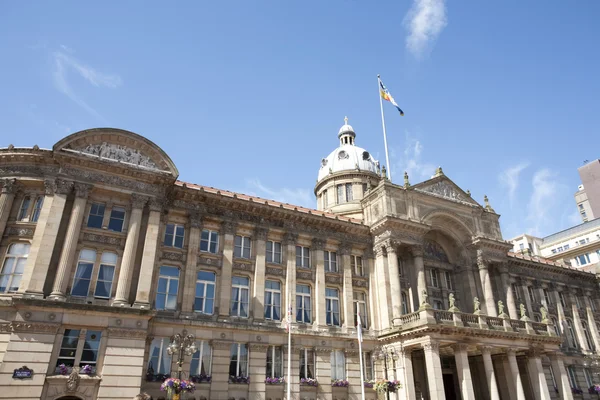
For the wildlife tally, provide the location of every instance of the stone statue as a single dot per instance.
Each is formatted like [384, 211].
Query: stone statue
[476, 305]
[73, 380]
[452, 302]
[544, 313]
[500, 307]
[424, 293]
[406, 182]
[424, 304]
[523, 312]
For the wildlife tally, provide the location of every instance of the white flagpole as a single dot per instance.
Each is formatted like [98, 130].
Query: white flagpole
[387, 158]
[289, 355]
[360, 355]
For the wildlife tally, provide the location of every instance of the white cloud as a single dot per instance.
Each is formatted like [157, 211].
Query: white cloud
[412, 163]
[510, 179]
[543, 201]
[64, 63]
[295, 196]
[424, 21]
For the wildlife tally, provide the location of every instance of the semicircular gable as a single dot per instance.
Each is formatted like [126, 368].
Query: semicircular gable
[118, 145]
[449, 221]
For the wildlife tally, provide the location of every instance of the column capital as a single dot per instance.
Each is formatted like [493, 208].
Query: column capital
[485, 349]
[390, 246]
[317, 244]
[345, 248]
[157, 204]
[195, 219]
[380, 250]
[229, 227]
[57, 186]
[138, 201]
[323, 350]
[368, 253]
[481, 261]
[290, 238]
[431, 346]
[261, 233]
[510, 352]
[82, 190]
[9, 185]
[416, 250]
[462, 347]
[535, 352]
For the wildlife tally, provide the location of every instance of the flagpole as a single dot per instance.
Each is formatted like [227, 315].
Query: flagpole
[387, 158]
[289, 355]
[360, 356]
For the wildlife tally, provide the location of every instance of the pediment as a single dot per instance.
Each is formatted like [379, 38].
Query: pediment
[118, 146]
[444, 187]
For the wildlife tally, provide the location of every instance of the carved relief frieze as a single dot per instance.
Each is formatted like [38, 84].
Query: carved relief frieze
[239, 266]
[172, 256]
[220, 345]
[9, 185]
[20, 231]
[335, 279]
[275, 271]
[215, 262]
[127, 333]
[305, 275]
[361, 283]
[258, 346]
[28, 170]
[93, 237]
[30, 327]
[116, 152]
[112, 180]
[445, 190]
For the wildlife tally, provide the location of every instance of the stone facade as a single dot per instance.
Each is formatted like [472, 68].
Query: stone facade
[106, 255]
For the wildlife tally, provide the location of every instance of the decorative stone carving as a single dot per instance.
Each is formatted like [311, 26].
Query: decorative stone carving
[138, 201]
[333, 279]
[229, 227]
[112, 180]
[431, 346]
[93, 237]
[368, 253]
[434, 251]
[127, 333]
[219, 345]
[30, 327]
[50, 186]
[360, 283]
[323, 350]
[306, 275]
[73, 380]
[195, 219]
[275, 271]
[258, 346]
[243, 266]
[261, 233]
[460, 347]
[523, 312]
[82, 190]
[168, 255]
[345, 249]
[19, 231]
[290, 238]
[209, 261]
[9, 185]
[417, 251]
[157, 204]
[317, 244]
[117, 152]
[444, 189]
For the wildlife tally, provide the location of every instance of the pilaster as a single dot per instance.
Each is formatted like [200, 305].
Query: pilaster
[490, 375]
[392, 259]
[7, 197]
[257, 371]
[260, 240]
[561, 377]
[228, 229]
[578, 326]
[464, 372]
[593, 329]
[486, 285]
[513, 376]
[408, 380]
[318, 259]
[417, 252]
[348, 296]
[510, 298]
[191, 265]
[323, 372]
[383, 295]
[537, 376]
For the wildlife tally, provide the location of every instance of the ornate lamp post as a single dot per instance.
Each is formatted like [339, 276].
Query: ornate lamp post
[182, 345]
[385, 352]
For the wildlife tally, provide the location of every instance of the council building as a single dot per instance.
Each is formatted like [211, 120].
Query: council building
[105, 256]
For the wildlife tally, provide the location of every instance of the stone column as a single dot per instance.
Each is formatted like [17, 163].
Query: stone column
[514, 378]
[433, 365]
[372, 295]
[323, 375]
[257, 369]
[537, 376]
[417, 252]
[44, 238]
[147, 268]
[129, 253]
[7, 196]
[191, 264]
[577, 324]
[486, 285]
[260, 246]
[228, 229]
[382, 290]
[490, 375]
[395, 288]
[220, 370]
[464, 372]
[510, 298]
[593, 329]
[318, 259]
[408, 380]
[560, 376]
[348, 295]
[67, 254]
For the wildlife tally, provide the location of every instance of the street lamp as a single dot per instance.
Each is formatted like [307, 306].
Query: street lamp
[181, 345]
[385, 352]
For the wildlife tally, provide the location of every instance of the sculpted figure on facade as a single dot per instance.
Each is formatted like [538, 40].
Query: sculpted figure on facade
[73, 380]
[500, 307]
[523, 312]
[544, 313]
[476, 306]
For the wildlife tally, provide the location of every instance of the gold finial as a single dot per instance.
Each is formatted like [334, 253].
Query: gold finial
[438, 171]
[345, 120]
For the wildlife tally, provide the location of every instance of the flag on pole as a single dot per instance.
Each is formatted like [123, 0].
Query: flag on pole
[358, 327]
[385, 94]
[288, 322]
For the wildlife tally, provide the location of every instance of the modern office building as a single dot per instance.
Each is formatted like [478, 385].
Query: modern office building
[105, 255]
[587, 196]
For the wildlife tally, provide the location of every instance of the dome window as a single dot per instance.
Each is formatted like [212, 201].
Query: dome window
[342, 155]
[324, 162]
[366, 155]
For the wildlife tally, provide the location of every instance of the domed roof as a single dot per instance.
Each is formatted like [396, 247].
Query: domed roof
[347, 157]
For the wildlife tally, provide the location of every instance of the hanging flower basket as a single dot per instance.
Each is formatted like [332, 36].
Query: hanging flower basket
[200, 378]
[87, 370]
[383, 385]
[239, 379]
[309, 382]
[339, 383]
[594, 389]
[174, 386]
[274, 381]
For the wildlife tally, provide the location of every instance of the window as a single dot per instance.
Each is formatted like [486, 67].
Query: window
[24, 210]
[106, 273]
[572, 337]
[13, 267]
[242, 247]
[556, 327]
[364, 189]
[547, 298]
[588, 377]
[561, 297]
[531, 293]
[168, 284]
[437, 304]
[404, 303]
[205, 292]
[360, 305]
[273, 252]
[332, 306]
[303, 313]
[160, 360]
[325, 198]
[515, 291]
[349, 196]
[274, 362]
[580, 206]
[83, 273]
[338, 364]
[307, 363]
[572, 377]
[577, 302]
[521, 246]
[96, 216]
[583, 259]
[566, 247]
[238, 362]
[448, 277]
[357, 265]
[273, 300]
[433, 274]
[174, 236]
[593, 304]
[74, 351]
[201, 360]
[209, 241]
[367, 365]
[117, 217]
[331, 261]
[37, 208]
[239, 296]
[302, 257]
[588, 337]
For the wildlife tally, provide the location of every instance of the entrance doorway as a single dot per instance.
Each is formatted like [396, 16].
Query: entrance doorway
[449, 389]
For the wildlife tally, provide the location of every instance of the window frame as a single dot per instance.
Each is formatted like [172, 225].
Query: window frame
[272, 365]
[434, 278]
[356, 303]
[241, 253]
[114, 271]
[238, 347]
[572, 377]
[330, 258]
[272, 255]
[240, 289]
[112, 218]
[17, 258]
[336, 366]
[272, 305]
[307, 360]
[547, 297]
[100, 216]
[169, 279]
[356, 264]
[174, 236]
[531, 293]
[572, 334]
[38, 204]
[304, 257]
[448, 279]
[202, 359]
[305, 311]
[405, 303]
[83, 336]
[206, 284]
[330, 302]
[81, 261]
[209, 241]
[367, 365]
[23, 214]
[163, 357]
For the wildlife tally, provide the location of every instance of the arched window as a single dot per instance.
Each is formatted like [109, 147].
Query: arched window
[24, 210]
[13, 267]
[556, 327]
[572, 338]
[588, 338]
[37, 208]
[405, 305]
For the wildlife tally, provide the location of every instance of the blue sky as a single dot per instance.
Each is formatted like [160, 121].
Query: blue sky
[249, 96]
